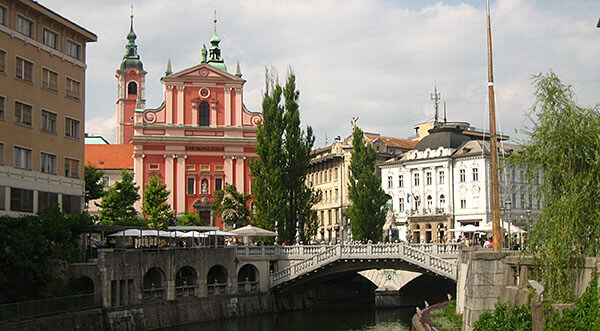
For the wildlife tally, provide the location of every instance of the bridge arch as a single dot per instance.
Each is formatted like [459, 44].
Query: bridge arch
[186, 281]
[248, 278]
[217, 280]
[83, 285]
[154, 285]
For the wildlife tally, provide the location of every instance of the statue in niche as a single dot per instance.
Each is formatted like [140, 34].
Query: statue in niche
[204, 187]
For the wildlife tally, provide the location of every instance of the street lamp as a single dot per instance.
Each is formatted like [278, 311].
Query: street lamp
[276, 232]
[507, 207]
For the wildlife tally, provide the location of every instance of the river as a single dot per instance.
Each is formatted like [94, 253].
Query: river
[315, 320]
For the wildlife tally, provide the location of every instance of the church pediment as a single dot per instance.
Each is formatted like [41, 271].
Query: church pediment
[205, 71]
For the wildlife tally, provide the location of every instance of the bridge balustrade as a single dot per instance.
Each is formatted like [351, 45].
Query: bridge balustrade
[217, 288]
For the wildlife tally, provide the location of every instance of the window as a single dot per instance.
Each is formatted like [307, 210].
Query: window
[21, 200]
[1, 153]
[204, 114]
[401, 181]
[522, 201]
[72, 89]
[463, 204]
[416, 179]
[73, 49]
[441, 175]
[530, 200]
[49, 80]
[522, 176]
[46, 199]
[2, 15]
[105, 181]
[48, 121]
[475, 174]
[204, 186]
[2, 107]
[48, 163]
[428, 178]
[71, 204]
[514, 200]
[401, 205]
[132, 88]
[24, 70]
[25, 26]
[72, 128]
[22, 158]
[513, 176]
[336, 194]
[218, 183]
[390, 181]
[462, 175]
[442, 201]
[154, 167]
[50, 38]
[191, 185]
[2, 61]
[335, 173]
[23, 113]
[2, 195]
[429, 202]
[71, 168]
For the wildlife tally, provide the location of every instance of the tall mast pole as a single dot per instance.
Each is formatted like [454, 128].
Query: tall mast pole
[496, 230]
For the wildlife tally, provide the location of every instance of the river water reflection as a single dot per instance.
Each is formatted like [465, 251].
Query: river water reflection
[366, 318]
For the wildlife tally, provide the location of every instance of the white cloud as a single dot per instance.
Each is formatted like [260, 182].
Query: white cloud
[375, 59]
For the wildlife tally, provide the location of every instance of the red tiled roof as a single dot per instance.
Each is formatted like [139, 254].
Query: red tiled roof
[109, 156]
[393, 142]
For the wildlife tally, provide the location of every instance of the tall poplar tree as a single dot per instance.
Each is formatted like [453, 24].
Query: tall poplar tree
[279, 183]
[367, 211]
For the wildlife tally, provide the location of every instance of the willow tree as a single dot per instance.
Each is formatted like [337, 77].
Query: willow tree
[367, 211]
[564, 145]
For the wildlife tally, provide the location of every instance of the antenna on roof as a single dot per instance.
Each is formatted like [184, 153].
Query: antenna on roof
[444, 112]
[436, 97]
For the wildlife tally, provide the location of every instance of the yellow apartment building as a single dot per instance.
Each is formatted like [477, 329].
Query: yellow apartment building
[42, 109]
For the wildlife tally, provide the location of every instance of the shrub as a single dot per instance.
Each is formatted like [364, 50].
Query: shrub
[504, 318]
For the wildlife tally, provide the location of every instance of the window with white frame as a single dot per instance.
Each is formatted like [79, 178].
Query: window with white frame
[401, 205]
[416, 179]
[463, 204]
[72, 128]
[73, 49]
[462, 175]
[24, 70]
[441, 175]
[49, 80]
[22, 158]
[72, 88]
[48, 121]
[50, 38]
[218, 184]
[336, 194]
[442, 201]
[71, 168]
[23, 113]
[3, 14]
[475, 174]
[428, 178]
[191, 185]
[2, 61]
[2, 107]
[25, 26]
[401, 181]
[390, 181]
[48, 163]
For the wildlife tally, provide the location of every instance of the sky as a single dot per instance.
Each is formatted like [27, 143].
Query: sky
[378, 60]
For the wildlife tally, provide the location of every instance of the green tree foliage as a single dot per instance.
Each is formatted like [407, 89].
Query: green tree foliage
[564, 144]
[94, 185]
[30, 247]
[158, 212]
[585, 316]
[232, 206]
[190, 219]
[116, 207]
[279, 174]
[504, 318]
[367, 211]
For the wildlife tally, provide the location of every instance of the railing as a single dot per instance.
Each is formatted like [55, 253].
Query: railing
[29, 309]
[421, 255]
[247, 286]
[217, 288]
[185, 291]
[152, 294]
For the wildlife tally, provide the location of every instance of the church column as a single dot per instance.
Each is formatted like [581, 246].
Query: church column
[228, 106]
[180, 94]
[169, 105]
[213, 113]
[229, 169]
[169, 176]
[195, 112]
[138, 173]
[238, 107]
[180, 205]
[239, 173]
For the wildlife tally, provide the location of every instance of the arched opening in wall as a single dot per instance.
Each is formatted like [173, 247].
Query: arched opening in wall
[442, 203]
[417, 234]
[428, 234]
[154, 285]
[204, 114]
[217, 280]
[185, 282]
[429, 203]
[132, 88]
[248, 279]
[83, 285]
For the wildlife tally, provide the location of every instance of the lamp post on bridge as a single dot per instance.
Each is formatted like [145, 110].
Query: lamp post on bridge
[507, 207]
[276, 232]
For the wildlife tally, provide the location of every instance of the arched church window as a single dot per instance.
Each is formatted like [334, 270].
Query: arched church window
[204, 114]
[132, 88]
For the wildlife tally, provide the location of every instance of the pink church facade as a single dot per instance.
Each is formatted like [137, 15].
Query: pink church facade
[200, 137]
